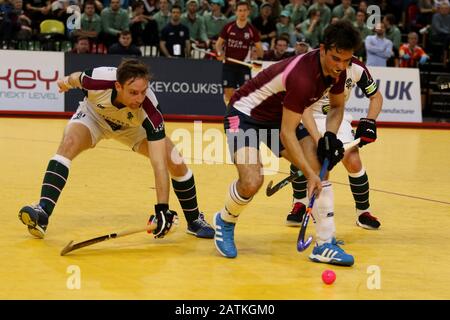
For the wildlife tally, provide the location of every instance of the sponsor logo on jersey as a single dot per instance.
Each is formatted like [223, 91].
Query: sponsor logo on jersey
[130, 116]
[100, 106]
[246, 35]
[348, 83]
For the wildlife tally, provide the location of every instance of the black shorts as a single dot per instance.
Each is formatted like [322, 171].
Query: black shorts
[244, 131]
[234, 75]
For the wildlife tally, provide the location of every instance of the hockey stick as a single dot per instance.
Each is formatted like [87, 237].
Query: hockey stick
[254, 65]
[302, 245]
[272, 190]
[75, 246]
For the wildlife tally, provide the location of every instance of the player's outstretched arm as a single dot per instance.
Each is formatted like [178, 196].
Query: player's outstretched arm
[69, 82]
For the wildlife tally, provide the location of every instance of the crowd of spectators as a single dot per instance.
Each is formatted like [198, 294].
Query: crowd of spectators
[286, 27]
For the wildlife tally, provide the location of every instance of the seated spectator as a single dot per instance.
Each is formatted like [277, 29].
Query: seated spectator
[91, 23]
[195, 24]
[440, 26]
[411, 54]
[286, 27]
[301, 47]
[265, 25]
[14, 24]
[162, 17]
[311, 28]
[82, 46]
[324, 13]
[297, 10]
[125, 46]
[279, 52]
[344, 11]
[114, 21]
[175, 37]
[144, 30]
[37, 11]
[214, 21]
[378, 48]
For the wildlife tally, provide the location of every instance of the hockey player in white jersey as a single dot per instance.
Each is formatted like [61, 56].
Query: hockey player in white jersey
[119, 104]
[357, 75]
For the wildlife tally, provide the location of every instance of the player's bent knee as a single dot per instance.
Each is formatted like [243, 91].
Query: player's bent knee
[249, 187]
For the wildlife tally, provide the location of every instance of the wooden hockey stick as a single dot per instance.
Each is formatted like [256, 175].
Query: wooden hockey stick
[75, 246]
[280, 185]
[252, 65]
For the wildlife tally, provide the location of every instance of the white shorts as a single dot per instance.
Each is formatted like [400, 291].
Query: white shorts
[345, 132]
[100, 129]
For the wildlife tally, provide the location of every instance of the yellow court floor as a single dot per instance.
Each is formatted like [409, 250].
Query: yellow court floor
[111, 189]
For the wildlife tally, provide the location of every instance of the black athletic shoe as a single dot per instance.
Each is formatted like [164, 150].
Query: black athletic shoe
[35, 218]
[295, 217]
[200, 228]
[367, 221]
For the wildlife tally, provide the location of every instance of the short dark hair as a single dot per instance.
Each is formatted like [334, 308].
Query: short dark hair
[131, 69]
[176, 6]
[243, 3]
[125, 33]
[390, 18]
[341, 36]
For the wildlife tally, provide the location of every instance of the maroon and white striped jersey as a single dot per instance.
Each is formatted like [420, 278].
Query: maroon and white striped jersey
[100, 93]
[238, 41]
[295, 83]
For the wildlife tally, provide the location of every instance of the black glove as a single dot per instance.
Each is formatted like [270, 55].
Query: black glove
[367, 131]
[166, 220]
[330, 147]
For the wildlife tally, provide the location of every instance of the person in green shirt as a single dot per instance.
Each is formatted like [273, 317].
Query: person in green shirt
[162, 17]
[394, 34]
[361, 26]
[90, 24]
[345, 11]
[311, 28]
[195, 24]
[325, 13]
[284, 26]
[214, 21]
[298, 11]
[114, 21]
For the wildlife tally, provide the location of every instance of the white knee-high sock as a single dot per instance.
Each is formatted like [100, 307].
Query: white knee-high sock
[234, 204]
[323, 212]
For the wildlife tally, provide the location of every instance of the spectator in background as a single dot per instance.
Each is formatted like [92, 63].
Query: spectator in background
[125, 45]
[124, 4]
[411, 54]
[345, 11]
[276, 8]
[426, 10]
[195, 24]
[162, 17]
[266, 25]
[311, 28]
[37, 11]
[82, 46]
[301, 47]
[91, 23]
[114, 20]
[360, 25]
[150, 7]
[175, 37]
[286, 27]
[325, 13]
[14, 24]
[279, 52]
[394, 34]
[144, 30]
[378, 48]
[214, 21]
[440, 26]
[297, 10]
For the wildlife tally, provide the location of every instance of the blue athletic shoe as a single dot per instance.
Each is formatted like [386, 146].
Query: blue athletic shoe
[35, 218]
[224, 237]
[331, 253]
[200, 228]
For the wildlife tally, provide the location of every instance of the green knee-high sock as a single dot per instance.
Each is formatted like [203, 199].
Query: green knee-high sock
[359, 184]
[299, 190]
[184, 188]
[54, 181]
